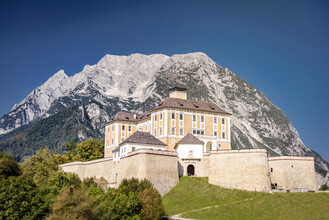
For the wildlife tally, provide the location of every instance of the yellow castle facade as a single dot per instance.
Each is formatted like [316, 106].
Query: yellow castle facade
[172, 120]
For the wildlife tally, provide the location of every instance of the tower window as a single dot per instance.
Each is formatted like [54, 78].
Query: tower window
[173, 131]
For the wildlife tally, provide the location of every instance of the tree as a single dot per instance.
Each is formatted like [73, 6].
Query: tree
[8, 167]
[73, 204]
[20, 198]
[151, 203]
[91, 149]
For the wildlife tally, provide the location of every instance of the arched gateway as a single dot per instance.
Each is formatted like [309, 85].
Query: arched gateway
[190, 170]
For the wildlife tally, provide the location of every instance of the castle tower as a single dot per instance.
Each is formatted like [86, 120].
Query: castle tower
[178, 92]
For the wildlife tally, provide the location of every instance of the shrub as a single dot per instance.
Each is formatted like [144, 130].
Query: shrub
[324, 187]
[20, 198]
[151, 204]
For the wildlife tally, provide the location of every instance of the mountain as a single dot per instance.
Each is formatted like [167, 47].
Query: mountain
[138, 83]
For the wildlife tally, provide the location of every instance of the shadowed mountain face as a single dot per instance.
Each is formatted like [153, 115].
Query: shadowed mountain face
[138, 83]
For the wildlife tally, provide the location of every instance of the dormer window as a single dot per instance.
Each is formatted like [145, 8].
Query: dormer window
[211, 107]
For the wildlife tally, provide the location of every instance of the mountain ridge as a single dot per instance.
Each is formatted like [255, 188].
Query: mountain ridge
[139, 82]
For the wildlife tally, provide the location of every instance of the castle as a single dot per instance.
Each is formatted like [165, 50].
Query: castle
[182, 137]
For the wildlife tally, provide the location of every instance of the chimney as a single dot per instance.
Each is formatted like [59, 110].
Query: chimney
[178, 92]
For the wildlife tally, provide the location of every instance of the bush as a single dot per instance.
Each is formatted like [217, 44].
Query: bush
[73, 204]
[324, 187]
[8, 167]
[151, 203]
[20, 198]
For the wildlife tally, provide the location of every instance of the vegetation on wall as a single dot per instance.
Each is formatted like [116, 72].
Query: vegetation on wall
[38, 189]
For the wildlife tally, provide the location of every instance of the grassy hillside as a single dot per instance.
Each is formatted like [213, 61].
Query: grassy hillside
[195, 198]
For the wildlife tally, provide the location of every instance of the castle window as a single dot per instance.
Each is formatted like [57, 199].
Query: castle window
[202, 118]
[160, 131]
[223, 135]
[223, 121]
[181, 132]
[123, 127]
[194, 117]
[172, 115]
[173, 131]
[215, 120]
[129, 128]
[180, 116]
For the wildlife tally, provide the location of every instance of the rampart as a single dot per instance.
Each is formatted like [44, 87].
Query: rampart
[159, 167]
[240, 169]
[293, 173]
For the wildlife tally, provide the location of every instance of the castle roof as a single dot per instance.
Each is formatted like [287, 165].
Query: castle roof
[140, 137]
[178, 88]
[189, 139]
[117, 149]
[191, 105]
[131, 117]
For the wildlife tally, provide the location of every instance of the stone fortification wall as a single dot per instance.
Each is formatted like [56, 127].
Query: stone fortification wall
[240, 169]
[158, 166]
[201, 166]
[293, 172]
[95, 168]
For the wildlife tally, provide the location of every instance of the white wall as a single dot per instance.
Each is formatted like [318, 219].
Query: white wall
[128, 147]
[183, 150]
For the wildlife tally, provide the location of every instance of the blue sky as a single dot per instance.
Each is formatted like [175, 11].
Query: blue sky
[280, 47]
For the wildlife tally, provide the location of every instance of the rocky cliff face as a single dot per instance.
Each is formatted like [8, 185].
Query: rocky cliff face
[139, 82]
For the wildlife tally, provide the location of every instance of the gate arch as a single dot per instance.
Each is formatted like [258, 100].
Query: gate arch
[190, 170]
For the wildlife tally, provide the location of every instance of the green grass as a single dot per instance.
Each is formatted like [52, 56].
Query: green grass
[195, 198]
